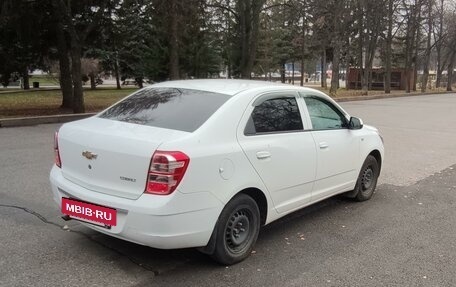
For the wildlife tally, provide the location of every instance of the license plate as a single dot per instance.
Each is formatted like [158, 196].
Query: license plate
[92, 213]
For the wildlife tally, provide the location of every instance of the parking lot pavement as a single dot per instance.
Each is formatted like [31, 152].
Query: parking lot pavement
[404, 236]
[419, 133]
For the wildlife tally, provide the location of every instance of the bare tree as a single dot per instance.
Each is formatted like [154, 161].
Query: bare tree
[322, 31]
[427, 56]
[439, 38]
[450, 45]
[301, 39]
[370, 17]
[413, 19]
[340, 17]
[389, 44]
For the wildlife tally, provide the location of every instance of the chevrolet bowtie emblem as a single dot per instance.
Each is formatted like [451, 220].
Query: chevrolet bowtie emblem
[89, 155]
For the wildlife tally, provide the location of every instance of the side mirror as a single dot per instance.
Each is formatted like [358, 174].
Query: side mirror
[355, 123]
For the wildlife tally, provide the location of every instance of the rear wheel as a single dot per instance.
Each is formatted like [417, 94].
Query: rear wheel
[367, 180]
[236, 230]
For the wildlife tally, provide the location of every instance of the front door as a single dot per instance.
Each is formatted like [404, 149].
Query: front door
[337, 148]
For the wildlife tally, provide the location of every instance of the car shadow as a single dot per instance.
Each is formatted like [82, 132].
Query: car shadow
[296, 230]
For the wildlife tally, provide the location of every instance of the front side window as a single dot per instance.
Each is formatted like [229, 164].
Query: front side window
[324, 115]
[170, 108]
[275, 115]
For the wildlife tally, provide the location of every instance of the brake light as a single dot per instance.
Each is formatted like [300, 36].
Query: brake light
[57, 160]
[167, 168]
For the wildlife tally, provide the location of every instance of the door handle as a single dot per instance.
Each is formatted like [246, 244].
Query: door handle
[323, 145]
[263, 154]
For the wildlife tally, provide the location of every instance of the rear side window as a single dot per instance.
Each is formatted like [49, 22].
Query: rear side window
[170, 108]
[275, 115]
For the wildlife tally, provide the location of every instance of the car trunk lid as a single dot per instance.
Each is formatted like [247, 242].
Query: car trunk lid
[110, 157]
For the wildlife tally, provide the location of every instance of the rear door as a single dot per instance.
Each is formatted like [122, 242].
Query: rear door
[273, 137]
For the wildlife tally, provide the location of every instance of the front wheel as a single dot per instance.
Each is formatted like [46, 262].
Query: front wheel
[236, 230]
[367, 180]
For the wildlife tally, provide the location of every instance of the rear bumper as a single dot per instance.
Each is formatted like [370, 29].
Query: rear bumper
[175, 221]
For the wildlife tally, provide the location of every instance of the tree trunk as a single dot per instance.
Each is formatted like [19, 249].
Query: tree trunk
[347, 70]
[450, 72]
[303, 47]
[365, 77]
[249, 24]
[407, 62]
[78, 92]
[427, 56]
[255, 28]
[360, 52]
[282, 72]
[244, 34]
[389, 43]
[117, 75]
[366, 80]
[323, 69]
[439, 71]
[66, 84]
[140, 82]
[369, 80]
[415, 56]
[174, 42]
[64, 65]
[26, 79]
[336, 45]
[407, 77]
[409, 41]
[93, 85]
[335, 69]
[292, 73]
[412, 50]
[438, 46]
[77, 38]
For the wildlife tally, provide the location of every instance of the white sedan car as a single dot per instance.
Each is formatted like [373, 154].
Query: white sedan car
[206, 163]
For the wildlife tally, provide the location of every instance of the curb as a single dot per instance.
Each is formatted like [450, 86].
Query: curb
[388, 96]
[31, 121]
[31, 90]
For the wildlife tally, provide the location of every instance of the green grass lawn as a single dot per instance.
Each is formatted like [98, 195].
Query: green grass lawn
[44, 80]
[39, 103]
[15, 103]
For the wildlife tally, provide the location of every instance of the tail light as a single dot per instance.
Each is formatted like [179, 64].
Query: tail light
[57, 160]
[167, 168]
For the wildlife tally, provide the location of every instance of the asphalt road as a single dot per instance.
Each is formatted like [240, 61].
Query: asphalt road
[404, 236]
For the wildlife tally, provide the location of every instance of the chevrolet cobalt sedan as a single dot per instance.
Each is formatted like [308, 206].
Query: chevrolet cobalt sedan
[206, 163]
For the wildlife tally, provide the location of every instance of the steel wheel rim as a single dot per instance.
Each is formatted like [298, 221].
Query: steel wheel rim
[238, 230]
[367, 178]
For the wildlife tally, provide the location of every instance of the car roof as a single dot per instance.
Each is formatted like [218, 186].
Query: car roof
[224, 86]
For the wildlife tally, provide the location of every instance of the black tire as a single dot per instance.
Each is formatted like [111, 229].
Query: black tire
[236, 230]
[367, 180]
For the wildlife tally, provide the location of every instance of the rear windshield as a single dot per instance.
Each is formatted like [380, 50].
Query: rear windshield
[170, 108]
